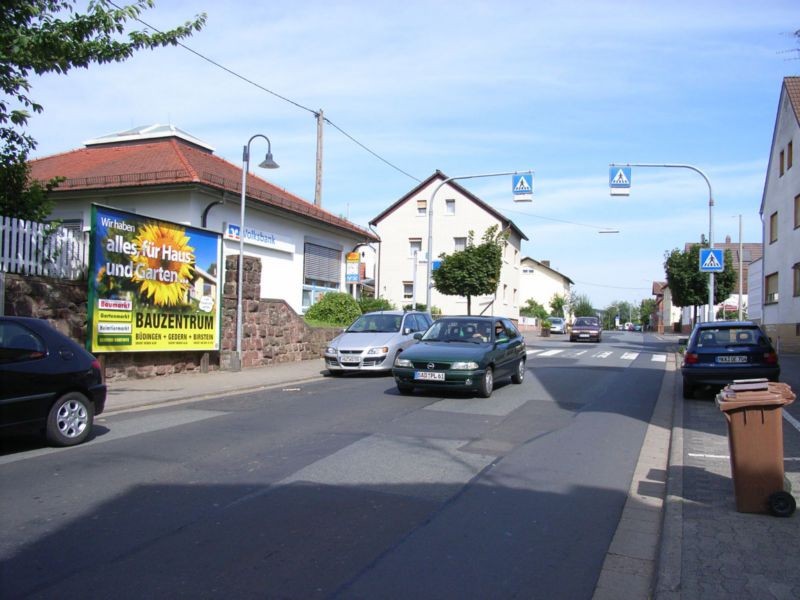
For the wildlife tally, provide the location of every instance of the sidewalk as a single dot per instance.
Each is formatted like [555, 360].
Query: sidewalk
[139, 393]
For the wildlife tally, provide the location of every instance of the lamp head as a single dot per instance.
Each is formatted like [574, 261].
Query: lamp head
[268, 162]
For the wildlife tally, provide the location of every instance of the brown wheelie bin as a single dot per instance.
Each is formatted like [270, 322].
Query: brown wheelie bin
[754, 411]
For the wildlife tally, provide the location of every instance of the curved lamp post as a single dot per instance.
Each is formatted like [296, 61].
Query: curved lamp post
[267, 163]
[711, 315]
[430, 225]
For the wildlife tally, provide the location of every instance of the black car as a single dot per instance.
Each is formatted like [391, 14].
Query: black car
[47, 381]
[720, 351]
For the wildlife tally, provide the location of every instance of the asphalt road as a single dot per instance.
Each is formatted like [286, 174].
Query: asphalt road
[343, 488]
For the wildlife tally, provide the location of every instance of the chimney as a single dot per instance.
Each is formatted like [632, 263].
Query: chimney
[546, 263]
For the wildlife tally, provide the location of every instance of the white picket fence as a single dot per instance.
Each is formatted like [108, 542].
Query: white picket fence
[30, 248]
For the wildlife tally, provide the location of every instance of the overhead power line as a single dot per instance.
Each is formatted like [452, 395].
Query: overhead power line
[277, 95]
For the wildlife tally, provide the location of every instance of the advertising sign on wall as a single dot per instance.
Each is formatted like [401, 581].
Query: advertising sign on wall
[153, 285]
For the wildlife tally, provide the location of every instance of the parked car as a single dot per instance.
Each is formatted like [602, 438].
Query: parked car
[373, 341]
[462, 354]
[718, 352]
[47, 381]
[557, 325]
[586, 329]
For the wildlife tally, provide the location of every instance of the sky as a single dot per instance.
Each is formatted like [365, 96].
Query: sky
[476, 87]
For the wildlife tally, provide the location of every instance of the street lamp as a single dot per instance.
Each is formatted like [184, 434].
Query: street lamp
[267, 163]
[430, 224]
[711, 315]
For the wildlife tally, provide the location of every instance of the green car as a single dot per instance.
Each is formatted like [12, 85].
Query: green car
[462, 354]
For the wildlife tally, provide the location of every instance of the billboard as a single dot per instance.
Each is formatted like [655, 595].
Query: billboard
[153, 285]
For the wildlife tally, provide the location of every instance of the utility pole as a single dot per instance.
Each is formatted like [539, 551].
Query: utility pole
[318, 179]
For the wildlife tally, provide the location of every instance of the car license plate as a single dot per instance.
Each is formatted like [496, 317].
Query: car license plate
[350, 359]
[428, 376]
[583, 335]
[731, 359]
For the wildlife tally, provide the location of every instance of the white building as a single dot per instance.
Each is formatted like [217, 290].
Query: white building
[780, 215]
[540, 282]
[403, 253]
[163, 172]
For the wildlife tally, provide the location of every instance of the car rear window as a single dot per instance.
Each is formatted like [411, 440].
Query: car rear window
[731, 336]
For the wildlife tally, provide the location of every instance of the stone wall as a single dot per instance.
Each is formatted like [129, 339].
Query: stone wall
[272, 333]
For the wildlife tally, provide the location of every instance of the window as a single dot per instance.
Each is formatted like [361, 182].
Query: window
[322, 268]
[773, 227]
[780, 167]
[422, 207]
[449, 207]
[796, 276]
[505, 293]
[408, 290]
[459, 243]
[771, 289]
[797, 211]
[414, 245]
[789, 153]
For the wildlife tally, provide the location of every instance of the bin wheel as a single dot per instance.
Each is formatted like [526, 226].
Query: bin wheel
[781, 504]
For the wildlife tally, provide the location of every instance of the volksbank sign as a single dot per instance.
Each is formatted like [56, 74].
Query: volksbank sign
[256, 237]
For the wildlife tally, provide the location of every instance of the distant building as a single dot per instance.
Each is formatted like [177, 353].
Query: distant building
[780, 215]
[666, 317]
[540, 282]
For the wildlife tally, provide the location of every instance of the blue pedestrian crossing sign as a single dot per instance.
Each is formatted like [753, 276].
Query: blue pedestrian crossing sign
[712, 261]
[619, 180]
[522, 186]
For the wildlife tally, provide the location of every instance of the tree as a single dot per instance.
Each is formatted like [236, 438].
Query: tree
[648, 308]
[557, 304]
[533, 309]
[582, 306]
[473, 271]
[689, 285]
[50, 36]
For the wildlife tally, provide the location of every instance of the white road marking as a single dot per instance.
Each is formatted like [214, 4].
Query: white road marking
[630, 356]
[659, 358]
[727, 457]
[532, 352]
[602, 355]
[791, 420]
[551, 352]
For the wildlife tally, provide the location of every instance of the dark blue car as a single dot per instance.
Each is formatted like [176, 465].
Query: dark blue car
[719, 352]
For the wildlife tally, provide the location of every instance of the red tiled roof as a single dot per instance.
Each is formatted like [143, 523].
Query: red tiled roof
[170, 161]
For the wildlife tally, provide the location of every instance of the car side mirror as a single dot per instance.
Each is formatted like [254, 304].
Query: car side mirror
[418, 336]
[407, 330]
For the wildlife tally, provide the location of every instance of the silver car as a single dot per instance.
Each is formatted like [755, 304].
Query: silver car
[373, 341]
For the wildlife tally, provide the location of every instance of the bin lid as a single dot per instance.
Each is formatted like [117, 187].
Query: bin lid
[754, 392]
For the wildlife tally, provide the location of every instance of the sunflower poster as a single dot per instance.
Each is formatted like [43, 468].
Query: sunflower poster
[153, 285]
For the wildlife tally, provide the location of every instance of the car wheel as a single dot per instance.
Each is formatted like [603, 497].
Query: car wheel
[405, 389]
[486, 384]
[782, 504]
[335, 372]
[519, 372]
[688, 390]
[572, 339]
[70, 420]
